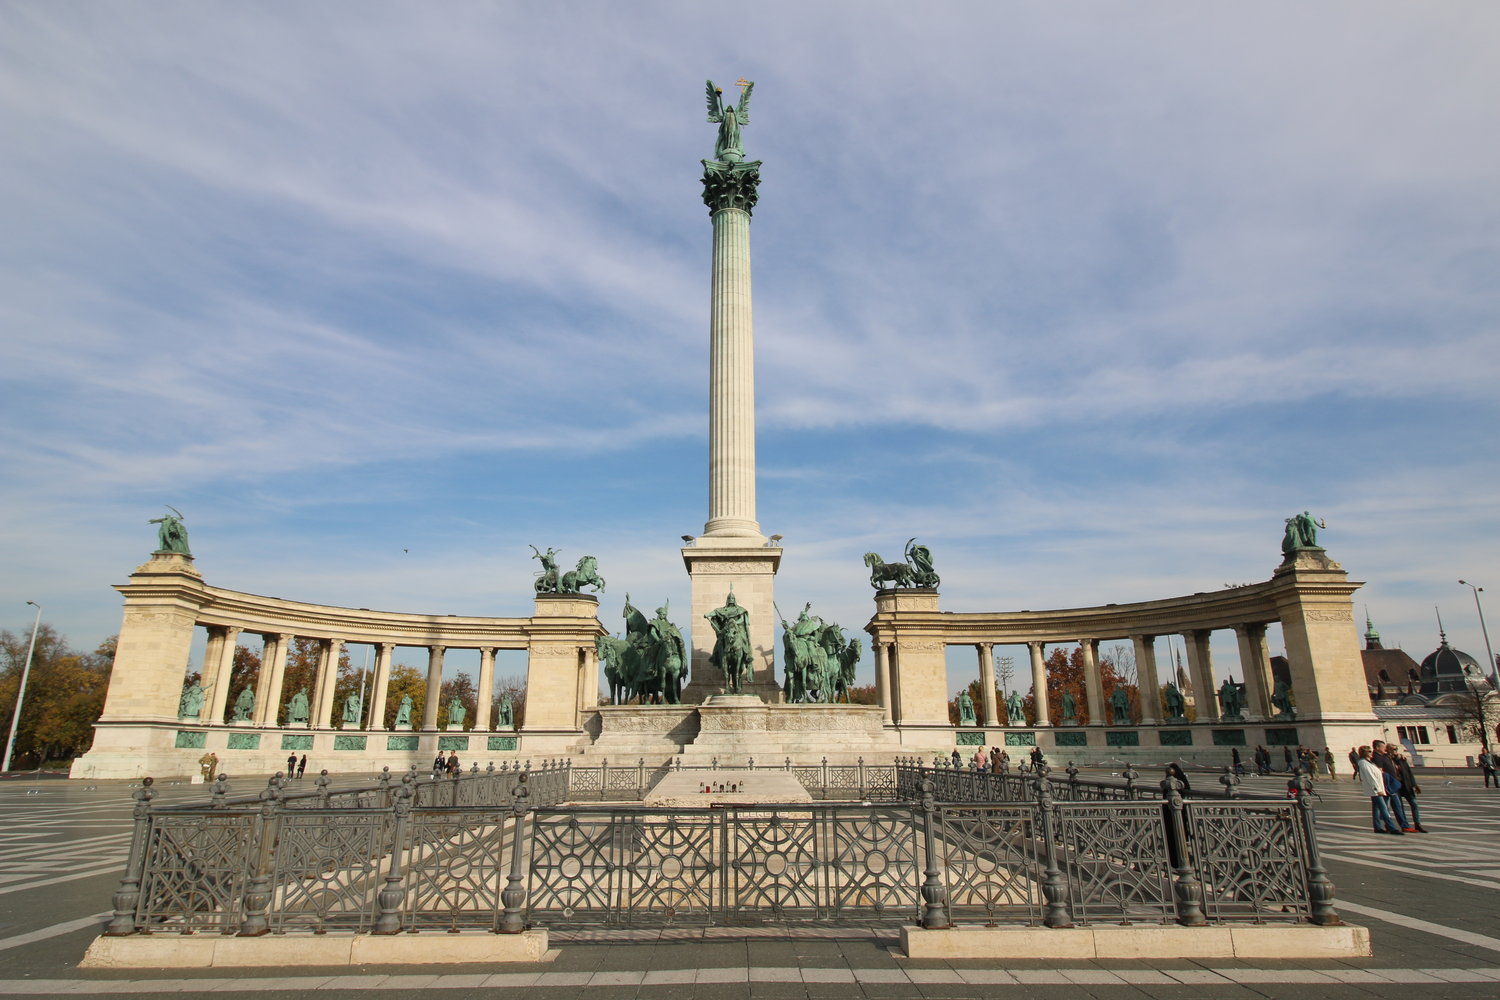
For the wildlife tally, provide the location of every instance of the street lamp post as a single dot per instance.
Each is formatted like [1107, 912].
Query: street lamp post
[1494, 671]
[15, 720]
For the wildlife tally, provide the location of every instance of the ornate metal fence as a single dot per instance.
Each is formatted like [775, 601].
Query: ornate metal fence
[499, 851]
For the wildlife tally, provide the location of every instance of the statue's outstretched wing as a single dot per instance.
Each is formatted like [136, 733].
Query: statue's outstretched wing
[743, 112]
[715, 104]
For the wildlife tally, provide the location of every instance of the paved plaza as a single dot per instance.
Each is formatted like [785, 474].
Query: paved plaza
[1430, 902]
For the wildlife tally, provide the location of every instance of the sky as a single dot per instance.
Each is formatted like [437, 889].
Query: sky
[1087, 298]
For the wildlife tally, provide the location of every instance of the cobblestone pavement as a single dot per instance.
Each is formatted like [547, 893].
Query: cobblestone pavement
[1429, 901]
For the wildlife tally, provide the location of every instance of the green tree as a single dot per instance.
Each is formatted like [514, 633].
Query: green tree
[516, 688]
[64, 694]
[244, 672]
[302, 672]
[405, 680]
[462, 688]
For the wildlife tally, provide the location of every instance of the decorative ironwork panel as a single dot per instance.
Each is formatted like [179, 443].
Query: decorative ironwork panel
[296, 741]
[880, 783]
[1176, 737]
[402, 742]
[1251, 859]
[673, 872]
[576, 857]
[1114, 857]
[1020, 739]
[244, 741]
[1229, 738]
[772, 860]
[187, 740]
[871, 870]
[328, 867]
[626, 781]
[990, 860]
[195, 871]
[455, 868]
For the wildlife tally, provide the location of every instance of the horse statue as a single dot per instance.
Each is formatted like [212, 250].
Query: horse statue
[586, 575]
[848, 659]
[898, 574]
[624, 669]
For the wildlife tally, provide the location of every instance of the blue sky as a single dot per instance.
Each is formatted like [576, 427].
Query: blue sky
[1087, 297]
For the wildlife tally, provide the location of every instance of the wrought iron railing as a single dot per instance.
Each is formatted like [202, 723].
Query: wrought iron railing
[265, 865]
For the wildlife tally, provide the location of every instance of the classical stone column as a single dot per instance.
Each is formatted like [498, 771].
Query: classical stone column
[1201, 670]
[1256, 666]
[729, 190]
[987, 682]
[218, 698]
[434, 686]
[208, 672]
[328, 676]
[486, 687]
[731, 552]
[1039, 683]
[882, 680]
[1145, 675]
[1093, 684]
[382, 681]
[272, 671]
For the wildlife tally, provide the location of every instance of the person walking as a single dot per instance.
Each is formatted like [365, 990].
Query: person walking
[1372, 779]
[1234, 758]
[454, 767]
[1487, 761]
[1409, 788]
[439, 765]
[1328, 761]
[291, 765]
[302, 765]
[1287, 753]
[1380, 756]
[1354, 762]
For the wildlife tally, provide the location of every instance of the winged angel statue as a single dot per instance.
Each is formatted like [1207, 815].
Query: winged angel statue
[729, 118]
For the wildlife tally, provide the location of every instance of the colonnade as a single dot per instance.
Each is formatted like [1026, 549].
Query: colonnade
[218, 666]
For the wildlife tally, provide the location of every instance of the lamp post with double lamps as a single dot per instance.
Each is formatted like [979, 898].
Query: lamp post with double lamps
[15, 720]
[1494, 670]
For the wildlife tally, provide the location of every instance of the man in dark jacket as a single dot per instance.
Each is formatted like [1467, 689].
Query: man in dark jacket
[1381, 758]
[1409, 787]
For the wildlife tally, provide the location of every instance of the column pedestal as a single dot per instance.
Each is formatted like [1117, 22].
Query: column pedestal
[715, 564]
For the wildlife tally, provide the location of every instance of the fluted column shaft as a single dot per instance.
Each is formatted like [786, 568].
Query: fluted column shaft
[731, 395]
[883, 681]
[1201, 671]
[1039, 683]
[272, 671]
[1256, 666]
[218, 698]
[434, 686]
[382, 681]
[1093, 684]
[1145, 675]
[987, 683]
[328, 675]
[486, 687]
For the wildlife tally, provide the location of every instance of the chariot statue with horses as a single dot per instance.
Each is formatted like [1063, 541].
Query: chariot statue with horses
[649, 663]
[917, 571]
[550, 581]
[818, 664]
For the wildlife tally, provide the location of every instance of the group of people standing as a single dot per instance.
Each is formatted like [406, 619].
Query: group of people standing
[1307, 758]
[448, 765]
[1384, 770]
[295, 767]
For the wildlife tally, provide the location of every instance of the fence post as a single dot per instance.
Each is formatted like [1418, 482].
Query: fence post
[640, 777]
[322, 784]
[934, 892]
[221, 792]
[258, 890]
[825, 778]
[1054, 886]
[1319, 885]
[129, 893]
[1130, 775]
[392, 895]
[1229, 780]
[512, 918]
[861, 763]
[1185, 884]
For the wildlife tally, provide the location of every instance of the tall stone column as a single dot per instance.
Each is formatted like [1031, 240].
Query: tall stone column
[987, 683]
[882, 680]
[382, 681]
[434, 686]
[272, 672]
[1093, 684]
[731, 552]
[218, 698]
[328, 676]
[1201, 670]
[486, 693]
[1039, 683]
[1145, 676]
[208, 673]
[1256, 667]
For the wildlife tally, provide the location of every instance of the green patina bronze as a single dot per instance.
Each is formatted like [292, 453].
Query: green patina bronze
[731, 654]
[294, 741]
[1301, 535]
[402, 742]
[1230, 705]
[551, 581]
[297, 709]
[501, 743]
[171, 536]
[353, 707]
[191, 740]
[1281, 699]
[1119, 708]
[403, 713]
[729, 118]
[1176, 703]
[917, 571]
[244, 741]
[1020, 739]
[817, 662]
[1015, 710]
[649, 663]
[191, 703]
[505, 718]
[1069, 707]
[966, 715]
[1176, 737]
[728, 180]
[456, 714]
[244, 705]
[969, 739]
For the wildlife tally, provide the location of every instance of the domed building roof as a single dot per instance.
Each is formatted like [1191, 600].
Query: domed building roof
[1446, 670]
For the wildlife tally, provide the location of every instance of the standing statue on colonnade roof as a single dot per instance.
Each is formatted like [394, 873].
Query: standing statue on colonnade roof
[171, 536]
[1301, 533]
